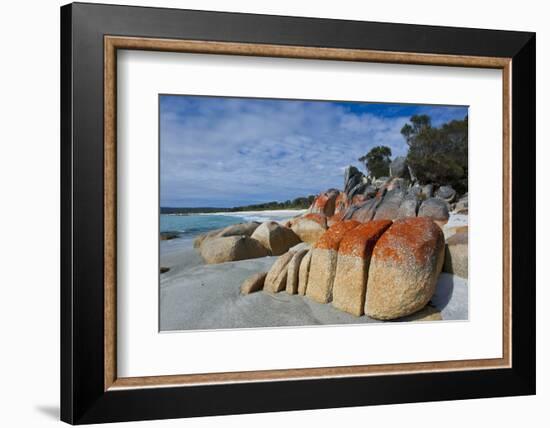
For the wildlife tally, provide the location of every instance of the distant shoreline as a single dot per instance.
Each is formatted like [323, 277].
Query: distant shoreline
[193, 224]
[290, 211]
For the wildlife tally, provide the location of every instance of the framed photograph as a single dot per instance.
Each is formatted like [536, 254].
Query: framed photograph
[266, 213]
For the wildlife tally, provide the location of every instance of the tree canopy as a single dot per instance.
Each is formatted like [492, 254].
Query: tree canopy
[377, 161]
[438, 155]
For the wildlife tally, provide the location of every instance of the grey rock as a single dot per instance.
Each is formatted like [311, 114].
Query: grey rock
[446, 193]
[389, 207]
[435, 209]
[409, 207]
[428, 190]
[398, 167]
[379, 182]
[370, 191]
[363, 212]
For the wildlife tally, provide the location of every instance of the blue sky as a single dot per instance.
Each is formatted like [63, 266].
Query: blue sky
[225, 152]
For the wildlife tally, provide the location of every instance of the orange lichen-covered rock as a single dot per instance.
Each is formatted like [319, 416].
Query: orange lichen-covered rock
[354, 253]
[310, 227]
[323, 262]
[325, 203]
[341, 204]
[404, 268]
[335, 218]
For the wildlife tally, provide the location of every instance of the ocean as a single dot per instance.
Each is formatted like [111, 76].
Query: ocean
[191, 225]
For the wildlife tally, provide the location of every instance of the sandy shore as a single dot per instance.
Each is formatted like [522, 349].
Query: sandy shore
[194, 296]
[280, 216]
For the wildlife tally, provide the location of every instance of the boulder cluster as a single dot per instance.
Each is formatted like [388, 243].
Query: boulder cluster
[245, 241]
[380, 268]
[375, 248]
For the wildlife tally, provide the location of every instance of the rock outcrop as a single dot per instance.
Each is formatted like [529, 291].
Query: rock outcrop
[277, 239]
[323, 262]
[231, 248]
[375, 248]
[355, 182]
[354, 253]
[404, 268]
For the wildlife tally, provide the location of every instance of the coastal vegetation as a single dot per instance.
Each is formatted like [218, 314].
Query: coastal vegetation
[377, 161]
[294, 204]
[438, 155]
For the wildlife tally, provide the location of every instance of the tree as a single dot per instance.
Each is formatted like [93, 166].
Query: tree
[377, 161]
[419, 123]
[438, 155]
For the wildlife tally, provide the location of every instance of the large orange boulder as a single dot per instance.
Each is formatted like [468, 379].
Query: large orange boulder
[324, 258]
[309, 227]
[404, 268]
[354, 253]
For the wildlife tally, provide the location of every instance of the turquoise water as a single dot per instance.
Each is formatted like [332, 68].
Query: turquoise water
[192, 225]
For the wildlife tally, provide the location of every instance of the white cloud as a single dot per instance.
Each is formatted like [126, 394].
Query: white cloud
[228, 152]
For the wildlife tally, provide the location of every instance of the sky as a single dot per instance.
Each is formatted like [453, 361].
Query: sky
[226, 152]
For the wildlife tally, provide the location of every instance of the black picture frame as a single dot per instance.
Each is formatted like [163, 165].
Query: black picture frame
[83, 398]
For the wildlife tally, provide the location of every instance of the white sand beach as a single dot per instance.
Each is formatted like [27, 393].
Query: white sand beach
[275, 215]
[196, 296]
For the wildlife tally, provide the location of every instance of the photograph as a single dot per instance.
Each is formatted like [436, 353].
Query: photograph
[288, 212]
